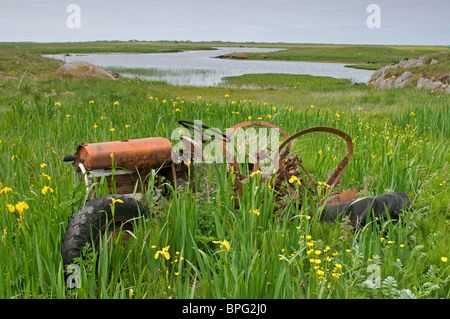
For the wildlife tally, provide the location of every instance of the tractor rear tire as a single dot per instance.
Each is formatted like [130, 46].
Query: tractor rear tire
[91, 221]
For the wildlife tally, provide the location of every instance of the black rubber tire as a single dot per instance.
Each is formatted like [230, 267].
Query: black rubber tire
[92, 217]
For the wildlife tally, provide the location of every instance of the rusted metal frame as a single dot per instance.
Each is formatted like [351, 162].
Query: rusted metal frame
[230, 159]
[341, 166]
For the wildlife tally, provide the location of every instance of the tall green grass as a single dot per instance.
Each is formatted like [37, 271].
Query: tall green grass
[401, 144]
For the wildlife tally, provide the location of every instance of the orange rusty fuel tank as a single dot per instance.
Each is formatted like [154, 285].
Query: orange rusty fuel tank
[135, 155]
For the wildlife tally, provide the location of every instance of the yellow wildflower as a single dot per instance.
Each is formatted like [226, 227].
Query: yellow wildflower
[11, 208]
[294, 179]
[114, 200]
[163, 252]
[46, 189]
[5, 190]
[255, 173]
[323, 184]
[222, 243]
[116, 103]
[21, 206]
[444, 259]
[255, 211]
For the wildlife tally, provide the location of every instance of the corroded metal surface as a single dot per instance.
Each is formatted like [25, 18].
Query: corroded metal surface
[135, 155]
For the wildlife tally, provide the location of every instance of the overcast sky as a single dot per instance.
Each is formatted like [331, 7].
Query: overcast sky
[416, 22]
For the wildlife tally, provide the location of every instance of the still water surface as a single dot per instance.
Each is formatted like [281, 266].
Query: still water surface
[201, 68]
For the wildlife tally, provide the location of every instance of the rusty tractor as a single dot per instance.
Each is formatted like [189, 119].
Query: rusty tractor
[125, 165]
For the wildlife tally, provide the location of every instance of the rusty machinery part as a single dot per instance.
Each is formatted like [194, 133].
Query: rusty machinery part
[135, 155]
[133, 161]
[204, 130]
[231, 160]
[283, 162]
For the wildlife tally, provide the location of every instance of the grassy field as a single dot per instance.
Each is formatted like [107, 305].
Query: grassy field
[293, 81]
[401, 139]
[105, 46]
[369, 57]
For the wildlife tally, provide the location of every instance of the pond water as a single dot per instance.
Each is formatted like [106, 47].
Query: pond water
[201, 68]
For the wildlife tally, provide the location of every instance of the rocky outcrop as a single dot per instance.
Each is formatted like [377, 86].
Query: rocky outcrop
[424, 83]
[383, 78]
[86, 70]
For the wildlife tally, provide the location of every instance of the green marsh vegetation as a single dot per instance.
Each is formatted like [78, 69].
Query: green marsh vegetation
[401, 139]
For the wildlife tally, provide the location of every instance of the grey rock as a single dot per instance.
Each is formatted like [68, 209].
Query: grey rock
[86, 70]
[424, 83]
[412, 62]
[404, 79]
